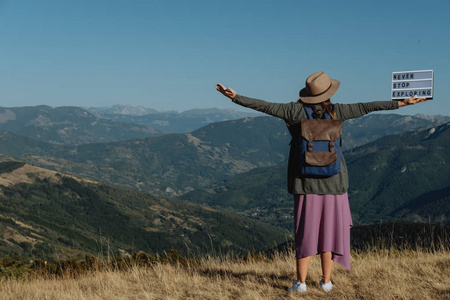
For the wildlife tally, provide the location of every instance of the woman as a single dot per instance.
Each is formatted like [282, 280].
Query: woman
[321, 209]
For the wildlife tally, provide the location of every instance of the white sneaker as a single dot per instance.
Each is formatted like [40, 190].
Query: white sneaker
[326, 286]
[297, 287]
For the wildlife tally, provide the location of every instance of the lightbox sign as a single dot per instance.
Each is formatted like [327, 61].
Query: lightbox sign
[409, 83]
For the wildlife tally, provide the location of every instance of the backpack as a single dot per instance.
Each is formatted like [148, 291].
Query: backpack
[321, 141]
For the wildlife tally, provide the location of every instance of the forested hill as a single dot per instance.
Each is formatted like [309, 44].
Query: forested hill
[396, 177]
[371, 127]
[401, 171]
[166, 165]
[44, 214]
[174, 164]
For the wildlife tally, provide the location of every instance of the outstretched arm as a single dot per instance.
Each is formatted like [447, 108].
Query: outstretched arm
[287, 111]
[351, 111]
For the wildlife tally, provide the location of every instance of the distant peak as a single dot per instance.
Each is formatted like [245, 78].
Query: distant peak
[125, 110]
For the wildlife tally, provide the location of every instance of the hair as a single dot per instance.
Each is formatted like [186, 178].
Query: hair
[319, 108]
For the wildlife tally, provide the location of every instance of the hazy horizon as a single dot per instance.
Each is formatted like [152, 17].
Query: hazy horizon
[235, 108]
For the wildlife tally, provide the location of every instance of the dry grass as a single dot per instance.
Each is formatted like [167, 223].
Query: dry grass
[375, 275]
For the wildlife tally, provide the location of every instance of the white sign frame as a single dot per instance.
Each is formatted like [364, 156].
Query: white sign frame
[406, 84]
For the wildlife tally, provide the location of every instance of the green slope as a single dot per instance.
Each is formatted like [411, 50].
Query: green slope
[396, 177]
[260, 194]
[166, 165]
[394, 170]
[50, 215]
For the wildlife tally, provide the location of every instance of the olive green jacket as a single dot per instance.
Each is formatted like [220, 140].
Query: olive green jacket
[292, 113]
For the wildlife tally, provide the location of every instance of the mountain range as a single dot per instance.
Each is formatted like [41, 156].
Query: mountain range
[166, 165]
[174, 164]
[52, 215]
[396, 177]
[170, 121]
[233, 170]
[68, 125]
[392, 175]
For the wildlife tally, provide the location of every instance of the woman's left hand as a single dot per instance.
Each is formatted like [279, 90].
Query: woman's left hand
[226, 92]
[411, 101]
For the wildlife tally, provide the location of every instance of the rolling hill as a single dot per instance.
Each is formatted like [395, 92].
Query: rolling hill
[175, 164]
[44, 214]
[400, 171]
[68, 125]
[401, 176]
[166, 165]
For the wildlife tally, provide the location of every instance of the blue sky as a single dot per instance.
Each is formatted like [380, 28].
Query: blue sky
[169, 54]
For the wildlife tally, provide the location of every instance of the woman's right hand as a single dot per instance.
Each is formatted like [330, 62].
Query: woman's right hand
[226, 92]
[411, 101]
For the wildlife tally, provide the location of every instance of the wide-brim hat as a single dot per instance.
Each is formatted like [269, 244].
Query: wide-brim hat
[319, 88]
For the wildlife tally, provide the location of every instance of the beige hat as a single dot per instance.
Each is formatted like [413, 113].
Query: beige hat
[319, 88]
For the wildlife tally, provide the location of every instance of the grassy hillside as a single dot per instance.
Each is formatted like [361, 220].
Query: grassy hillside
[383, 274]
[47, 214]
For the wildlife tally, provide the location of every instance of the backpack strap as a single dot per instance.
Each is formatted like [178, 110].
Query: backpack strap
[309, 113]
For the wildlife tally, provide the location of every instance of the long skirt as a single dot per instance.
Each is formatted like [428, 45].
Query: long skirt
[322, 224]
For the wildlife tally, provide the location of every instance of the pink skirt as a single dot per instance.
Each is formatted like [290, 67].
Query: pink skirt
[322, 224]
